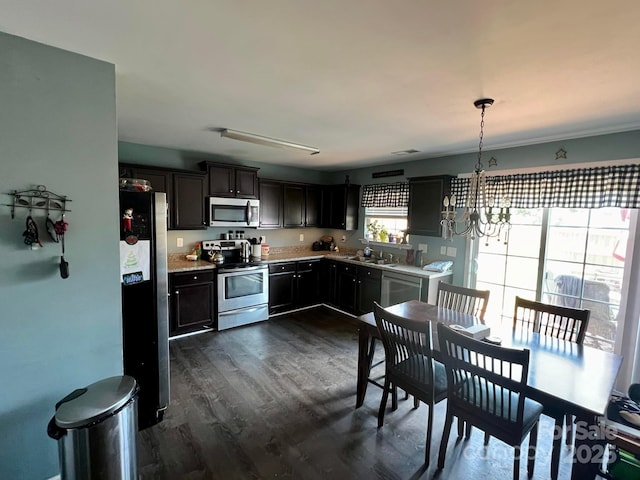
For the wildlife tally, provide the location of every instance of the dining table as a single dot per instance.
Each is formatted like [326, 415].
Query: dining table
[564, 376]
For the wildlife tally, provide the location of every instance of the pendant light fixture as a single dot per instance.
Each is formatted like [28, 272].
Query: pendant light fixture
[483, 215]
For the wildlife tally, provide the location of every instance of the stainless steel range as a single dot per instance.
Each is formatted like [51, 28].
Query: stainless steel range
[242, 284]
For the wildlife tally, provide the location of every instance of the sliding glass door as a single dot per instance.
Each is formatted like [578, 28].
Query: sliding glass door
[564, 256]
[512, 269]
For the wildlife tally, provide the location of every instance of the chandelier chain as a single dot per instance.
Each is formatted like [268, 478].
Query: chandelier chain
[479, 165]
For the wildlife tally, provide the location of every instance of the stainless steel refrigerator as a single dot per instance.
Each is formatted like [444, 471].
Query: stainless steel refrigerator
[145, 315]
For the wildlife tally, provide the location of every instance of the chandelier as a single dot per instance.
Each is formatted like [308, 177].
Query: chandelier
[483, 215]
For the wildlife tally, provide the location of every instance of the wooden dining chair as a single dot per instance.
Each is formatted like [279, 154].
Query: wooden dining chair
[462, 299]
[465, 300]
[409, 365]
[486, 385]
[566, 323]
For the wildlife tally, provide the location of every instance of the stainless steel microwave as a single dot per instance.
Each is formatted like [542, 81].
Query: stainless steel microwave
[233, 212]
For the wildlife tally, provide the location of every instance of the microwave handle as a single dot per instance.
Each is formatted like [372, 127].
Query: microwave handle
[248, 213]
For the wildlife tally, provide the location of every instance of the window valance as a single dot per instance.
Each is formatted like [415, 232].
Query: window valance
[385, 195]
[608, 186]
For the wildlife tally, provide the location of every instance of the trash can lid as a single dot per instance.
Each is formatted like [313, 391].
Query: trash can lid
[95, 402]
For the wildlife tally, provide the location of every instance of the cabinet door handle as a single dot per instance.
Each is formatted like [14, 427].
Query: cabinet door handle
[177, 292]
[230, 191]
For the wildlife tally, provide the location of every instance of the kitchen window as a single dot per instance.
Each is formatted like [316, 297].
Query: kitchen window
[392, 219]
[385, 210]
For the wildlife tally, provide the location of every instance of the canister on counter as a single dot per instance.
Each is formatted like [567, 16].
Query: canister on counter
[418, 258]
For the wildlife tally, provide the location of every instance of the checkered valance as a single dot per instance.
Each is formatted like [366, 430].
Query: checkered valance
[385, 195]
[611, 186]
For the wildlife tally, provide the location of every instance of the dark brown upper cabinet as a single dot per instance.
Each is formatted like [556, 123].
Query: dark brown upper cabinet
[425, 204]
[271, 211]
[189, 201]
[294, 205]
[290, 205]
[231, 181]
[313, 205]
[185, 189]
[340, 205]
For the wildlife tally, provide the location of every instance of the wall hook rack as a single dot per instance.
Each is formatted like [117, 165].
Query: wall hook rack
[38, 198]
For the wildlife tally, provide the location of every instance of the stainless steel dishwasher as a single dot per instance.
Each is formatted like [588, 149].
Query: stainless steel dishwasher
[398, 288]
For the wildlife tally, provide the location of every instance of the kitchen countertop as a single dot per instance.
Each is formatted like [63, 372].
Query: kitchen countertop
[392, 267]
[178, 263]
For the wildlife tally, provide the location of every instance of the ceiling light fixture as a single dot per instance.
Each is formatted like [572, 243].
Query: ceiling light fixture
[483, 216]
[406, 152]
[260, 140]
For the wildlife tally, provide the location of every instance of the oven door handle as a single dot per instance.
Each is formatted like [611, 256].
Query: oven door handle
[248, 213]
[240, 269]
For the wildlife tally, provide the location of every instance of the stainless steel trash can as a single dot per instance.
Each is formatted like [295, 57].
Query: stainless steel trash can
[96, 428]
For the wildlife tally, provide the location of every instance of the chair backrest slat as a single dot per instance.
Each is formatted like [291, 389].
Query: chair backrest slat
[566, 323]
[462, 299]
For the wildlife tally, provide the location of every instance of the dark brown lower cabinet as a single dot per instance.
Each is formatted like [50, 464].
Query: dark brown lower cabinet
[346, 288]
[308, 283]
[293, 285]
[282, 286]
[191, 301]
[368, 289]
[357, 288]
[329, 282]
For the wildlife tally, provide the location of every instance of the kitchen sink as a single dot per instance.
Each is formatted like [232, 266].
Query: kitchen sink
[362, 259]
[373, 261]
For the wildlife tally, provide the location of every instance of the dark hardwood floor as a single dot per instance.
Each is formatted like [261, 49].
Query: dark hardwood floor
[276, 400]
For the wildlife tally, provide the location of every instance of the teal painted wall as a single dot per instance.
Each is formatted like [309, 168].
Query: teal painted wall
[57, 128]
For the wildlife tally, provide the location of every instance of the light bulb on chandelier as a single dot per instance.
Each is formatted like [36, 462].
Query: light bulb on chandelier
[483, 215]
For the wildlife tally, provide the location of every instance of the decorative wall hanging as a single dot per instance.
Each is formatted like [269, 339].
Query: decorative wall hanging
[38, 199]
[48, 202]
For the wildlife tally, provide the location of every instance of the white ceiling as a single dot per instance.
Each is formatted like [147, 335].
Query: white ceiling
[357, 79]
